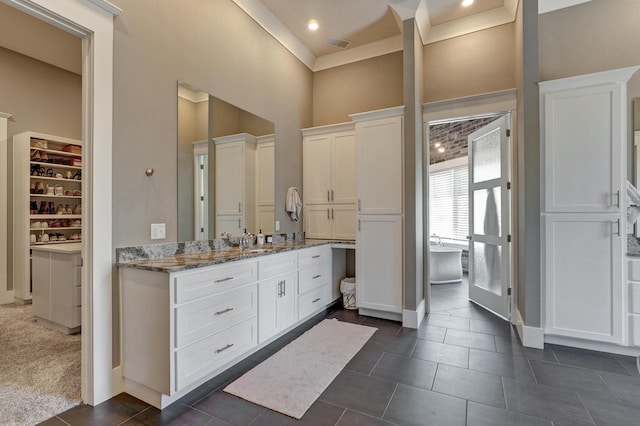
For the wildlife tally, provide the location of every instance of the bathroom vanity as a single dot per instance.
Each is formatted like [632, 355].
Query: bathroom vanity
[187, 317]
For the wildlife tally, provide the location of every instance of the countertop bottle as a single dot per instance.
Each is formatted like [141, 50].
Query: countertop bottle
[260, 238]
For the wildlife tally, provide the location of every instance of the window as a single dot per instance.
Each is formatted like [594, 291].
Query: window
[449, 199]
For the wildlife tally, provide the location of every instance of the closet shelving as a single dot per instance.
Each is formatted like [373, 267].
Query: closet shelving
[47, 197]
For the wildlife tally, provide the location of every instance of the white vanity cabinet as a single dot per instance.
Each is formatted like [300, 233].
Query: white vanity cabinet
[180, 328]
[277, 294]
[314, 280]
[379, 254]
[633, 292]
[583, 236]
[329, 181]
[235, 160]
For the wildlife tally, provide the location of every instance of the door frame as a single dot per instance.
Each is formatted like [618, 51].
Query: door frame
[92, 21]
[484, 105]
[6, 295]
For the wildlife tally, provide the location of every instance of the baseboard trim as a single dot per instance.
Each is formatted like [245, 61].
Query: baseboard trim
[380, 314]
[611, 348]
[117, 382]
[412, 319]
[531, 337]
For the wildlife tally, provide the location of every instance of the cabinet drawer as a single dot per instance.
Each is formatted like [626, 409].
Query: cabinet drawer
[634, 298]
[312, 301]
[274, 265]
[203, 317]
[634, 330]
[634, 269]
[206, 356]
[216, 280]
[313, 256]
[313, 277]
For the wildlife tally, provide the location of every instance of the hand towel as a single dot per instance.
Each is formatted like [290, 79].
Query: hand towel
[293, 203]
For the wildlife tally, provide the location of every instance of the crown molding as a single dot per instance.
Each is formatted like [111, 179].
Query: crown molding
[263, 16]
[340, 127]
[107, 7]
[546, 6]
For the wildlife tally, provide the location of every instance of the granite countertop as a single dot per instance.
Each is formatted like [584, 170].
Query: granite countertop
[198, 259]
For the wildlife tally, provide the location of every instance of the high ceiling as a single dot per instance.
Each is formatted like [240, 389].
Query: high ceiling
[369, 28]
[361, 21]
[373, 27]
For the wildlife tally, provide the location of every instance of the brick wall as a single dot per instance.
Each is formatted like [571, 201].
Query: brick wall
[453, 138]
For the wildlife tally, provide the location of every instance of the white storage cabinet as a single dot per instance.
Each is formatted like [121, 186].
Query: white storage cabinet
[379, 254]
[329, 181]
[583, 141]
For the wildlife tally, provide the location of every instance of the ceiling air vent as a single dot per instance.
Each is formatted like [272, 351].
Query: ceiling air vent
[342, 44]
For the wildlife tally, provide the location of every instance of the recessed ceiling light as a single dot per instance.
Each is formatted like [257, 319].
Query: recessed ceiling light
[313, 25]
[437, 145]
[467, 2]
[441, 149]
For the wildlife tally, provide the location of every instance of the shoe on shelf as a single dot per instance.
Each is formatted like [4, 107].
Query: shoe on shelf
[77, 193]
[68, 209]
[35, 156]
[76, 223]
[39, 188]
[68, 193]
[43, 208]
[53, 237]
[50, 190]
[59, 190]
[40, 143]
[77, 209]
[61, 209]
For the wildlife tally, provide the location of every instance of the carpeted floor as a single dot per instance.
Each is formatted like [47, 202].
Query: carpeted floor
[39, 371]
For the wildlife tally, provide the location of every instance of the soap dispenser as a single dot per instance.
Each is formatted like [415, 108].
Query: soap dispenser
[260, 238]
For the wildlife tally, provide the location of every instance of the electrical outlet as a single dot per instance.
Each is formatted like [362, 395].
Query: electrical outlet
[158, 231]
[277, 225]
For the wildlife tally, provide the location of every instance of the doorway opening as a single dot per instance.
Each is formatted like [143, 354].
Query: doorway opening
[40, 317]
[469, 216]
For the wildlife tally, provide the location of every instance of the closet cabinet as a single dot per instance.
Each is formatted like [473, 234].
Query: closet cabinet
[235, 184]
[47, 198]
[583, 141]
[329, 181]
[379, 253]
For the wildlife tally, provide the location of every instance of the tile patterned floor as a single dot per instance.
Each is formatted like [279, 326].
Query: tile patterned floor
[461, 367]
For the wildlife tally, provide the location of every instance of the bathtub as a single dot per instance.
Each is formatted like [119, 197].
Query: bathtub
[445, 264]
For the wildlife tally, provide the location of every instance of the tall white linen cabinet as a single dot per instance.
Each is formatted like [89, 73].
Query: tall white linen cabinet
[583, 208]
[379, 254]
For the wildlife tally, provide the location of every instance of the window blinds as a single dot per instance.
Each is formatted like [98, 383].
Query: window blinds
[449, 203]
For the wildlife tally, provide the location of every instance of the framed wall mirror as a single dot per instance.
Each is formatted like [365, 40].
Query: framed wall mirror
[226, 171]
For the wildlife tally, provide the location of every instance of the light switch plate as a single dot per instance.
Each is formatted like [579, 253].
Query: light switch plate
[277, 225]
[158, 231]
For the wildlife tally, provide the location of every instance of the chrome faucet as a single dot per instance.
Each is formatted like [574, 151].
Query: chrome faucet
[438, 239]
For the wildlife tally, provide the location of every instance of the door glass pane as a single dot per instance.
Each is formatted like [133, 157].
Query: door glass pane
[487, 211]
[486, 157]
[486, 267]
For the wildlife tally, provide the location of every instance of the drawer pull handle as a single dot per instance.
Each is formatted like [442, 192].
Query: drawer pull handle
[224, 349]
[316, 256]
[316, 300]
[224, 311]
[223, 279]
[317, 276]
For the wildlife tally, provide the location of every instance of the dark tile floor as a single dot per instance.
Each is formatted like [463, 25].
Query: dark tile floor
[461, 367]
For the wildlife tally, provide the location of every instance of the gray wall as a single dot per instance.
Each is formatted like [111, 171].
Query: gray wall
[42, 98]
[220, 51]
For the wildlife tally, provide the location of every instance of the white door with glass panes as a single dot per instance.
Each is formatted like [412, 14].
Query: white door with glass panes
[489, 222]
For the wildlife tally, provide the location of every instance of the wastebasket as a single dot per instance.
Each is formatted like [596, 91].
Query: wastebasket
[348, 290]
